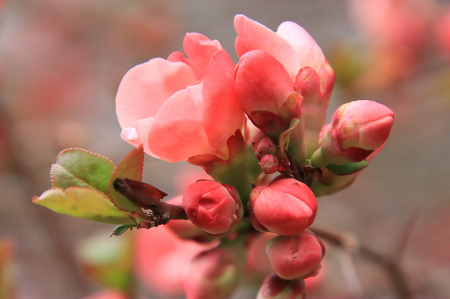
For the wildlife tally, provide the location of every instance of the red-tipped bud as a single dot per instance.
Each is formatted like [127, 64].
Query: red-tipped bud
[296, 256]
[357, 129]
[213, 207]
[212, 274]
[286, 207]
[263, 147]
[269, 164]
[185, 229]
[275, 287]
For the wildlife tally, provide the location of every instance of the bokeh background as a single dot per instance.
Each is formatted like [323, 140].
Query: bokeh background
[62, 60]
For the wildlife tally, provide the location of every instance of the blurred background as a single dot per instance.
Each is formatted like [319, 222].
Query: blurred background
[60, 66]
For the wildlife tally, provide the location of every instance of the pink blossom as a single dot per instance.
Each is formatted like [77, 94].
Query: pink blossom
[214, 207]
[297, 256]
[442, 32]
[285, 206]
[357, 129]
[161, 267]
[171, 106]
[109, 294]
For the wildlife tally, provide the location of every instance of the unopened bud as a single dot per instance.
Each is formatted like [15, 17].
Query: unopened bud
[286, 207]
[357, 129]
[269, 164]
[263, 147]
[212, 274]
[275, 287]
[213, 207]
[296, 256]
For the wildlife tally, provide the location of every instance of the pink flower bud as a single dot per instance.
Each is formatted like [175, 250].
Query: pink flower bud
[269, 164]
[214, 207]
[185, 229]
[357, 129]
[275, 287]
[296, 256]
[286, 207]
[263, 147]
[212, 274]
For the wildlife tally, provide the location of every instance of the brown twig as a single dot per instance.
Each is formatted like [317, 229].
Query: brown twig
[350, 243]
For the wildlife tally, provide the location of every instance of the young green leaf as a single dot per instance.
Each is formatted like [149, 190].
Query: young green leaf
[81, 168]
[83, 203]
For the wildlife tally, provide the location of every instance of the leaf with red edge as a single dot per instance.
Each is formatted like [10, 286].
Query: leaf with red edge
[131, 168]
[77, 167]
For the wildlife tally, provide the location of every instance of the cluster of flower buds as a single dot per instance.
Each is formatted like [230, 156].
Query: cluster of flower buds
[198, 109]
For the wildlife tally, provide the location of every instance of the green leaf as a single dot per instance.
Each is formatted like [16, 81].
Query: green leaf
[83, 203]
[348, 168]
[130, 168]
[120, 229]
[81, 168]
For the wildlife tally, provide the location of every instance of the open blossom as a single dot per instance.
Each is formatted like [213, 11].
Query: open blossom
[357, 129]
[172, 106]
[294, 257]
[280, 76]
[286, 207]
[214, 207]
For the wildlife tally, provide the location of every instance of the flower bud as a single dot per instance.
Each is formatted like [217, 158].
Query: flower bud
[264, 147]
[357, 129]
[213, 207]
[269, 164]
[275, 287]
[184, 228]
[296, 256]
[286, 207]
[212, 274]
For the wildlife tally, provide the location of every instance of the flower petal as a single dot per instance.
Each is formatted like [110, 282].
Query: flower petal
[262, 83]
[145, 87]
[222, 113]
[200, 50]
[255, 36]
[308, 51]
[177, 131]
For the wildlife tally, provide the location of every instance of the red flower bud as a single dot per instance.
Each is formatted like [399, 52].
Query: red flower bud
[286, 207]
[269, 164]
[212, 274]
[357, 129]
[296, 256]
[214, 207]
[275, 287]
[263, 147]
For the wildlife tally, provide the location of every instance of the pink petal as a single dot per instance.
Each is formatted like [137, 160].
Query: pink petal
[177, 131]
[145, 87]
[142, 127]
[308, 51]
[222, 113]
[255, 36]
[262, 83]
[200, 50]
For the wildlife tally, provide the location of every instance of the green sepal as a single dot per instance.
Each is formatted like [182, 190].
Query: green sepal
[120, 229]
[131, 168]
[83, 203]
[348, 168]
[81, 168]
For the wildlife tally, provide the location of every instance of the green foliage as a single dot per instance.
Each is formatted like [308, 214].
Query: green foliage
[348, 168]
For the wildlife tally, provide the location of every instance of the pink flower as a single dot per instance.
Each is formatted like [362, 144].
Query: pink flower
[285, 206]
[357, 129]
[296, 256]
[212, 274]
[276, 71]
[109, 294]
[179, 108]
[442, 32]
[161, 267]
[275, 287]
[214, 207]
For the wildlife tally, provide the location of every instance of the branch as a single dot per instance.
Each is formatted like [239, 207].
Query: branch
[350, 243]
